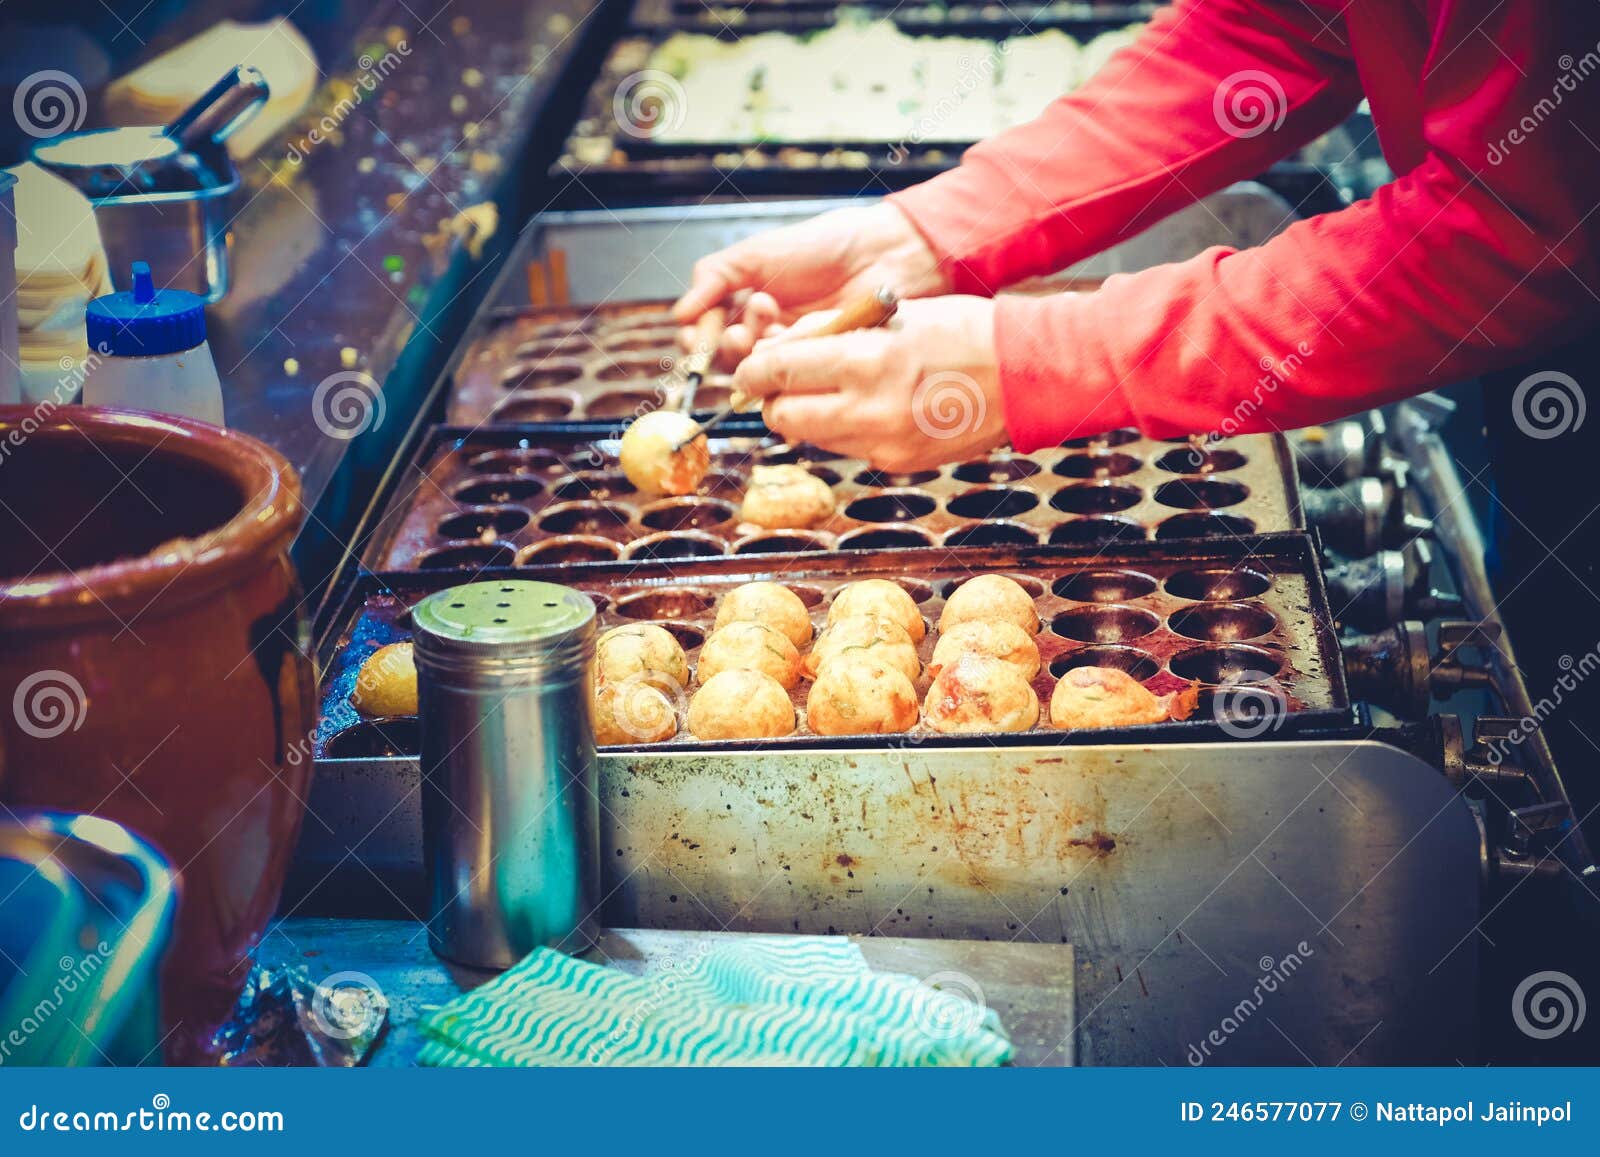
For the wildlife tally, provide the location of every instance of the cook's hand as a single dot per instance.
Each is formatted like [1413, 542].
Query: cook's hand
[818, 264]
[920, 392]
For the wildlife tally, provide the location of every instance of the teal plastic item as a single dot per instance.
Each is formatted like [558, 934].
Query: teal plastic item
[86, 913]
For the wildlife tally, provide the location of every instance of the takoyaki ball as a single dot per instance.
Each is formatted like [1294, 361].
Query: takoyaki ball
[1103, 697]
[999, 640]
[771, 603]
[785, 498]
[387, 682]
[741, 704]
[878, 597]
[990, 598]
[638, 709]
[640, 649]
[861, 695]
[651, 463]
[977, 693]
[751, 647]
[872, 635]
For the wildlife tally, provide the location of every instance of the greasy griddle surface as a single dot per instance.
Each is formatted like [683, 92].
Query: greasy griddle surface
[1151, 609]
[500, 498]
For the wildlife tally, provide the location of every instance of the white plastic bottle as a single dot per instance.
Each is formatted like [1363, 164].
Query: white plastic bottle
[147, 351]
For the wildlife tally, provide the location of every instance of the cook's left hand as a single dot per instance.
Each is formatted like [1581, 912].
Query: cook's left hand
[922, 391]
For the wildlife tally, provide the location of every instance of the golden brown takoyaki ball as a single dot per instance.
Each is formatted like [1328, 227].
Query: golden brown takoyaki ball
[753, 647]
[977, 693]
[990, 598]
[648, 459]
[786, 497]
[638, 709]
[640, 649]
[387, 683]
[741, 704]
[860, 695]
[771, 603]
[881, 638]
[878, 597]
[1103, 697]
[999, 640]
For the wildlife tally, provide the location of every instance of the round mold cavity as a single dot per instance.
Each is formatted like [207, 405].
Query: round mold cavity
[831, 477]
[992, 502]
[1095, 498]
[484, 520]
[1231, 664]
[892, 506]
[689, 636]
[1109, 465]
[1110, 438]
[1096, 532]
[885, 538]
[629, 320]
[787, 455]
[497, 490]
[541, 375]
[809, 595]
[376, 739]
[466, 556]
[1218, 584]
[992, 470]
[1201, 493]
[1192, 460]
[570, 345]
[721, 484]
[1104, 586]
[566, 549]
[596, 518]
[663, 338]
[886, 480]
[919, 591]
[686, 513]
[571, 327]
[782, 542]
[1105, 623]
[623, 369]
[616, 404]
[1201, 525]
[1140, 664]
[676, 544]
[535, 406]
[672, 603]
[602, 603]
[592, 485]
[1222, 622]
[517, 461]
[996, 533]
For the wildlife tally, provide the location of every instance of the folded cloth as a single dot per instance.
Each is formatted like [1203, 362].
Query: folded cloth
[790, 1001]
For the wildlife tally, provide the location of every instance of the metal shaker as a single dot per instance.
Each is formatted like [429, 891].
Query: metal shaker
[510, 814]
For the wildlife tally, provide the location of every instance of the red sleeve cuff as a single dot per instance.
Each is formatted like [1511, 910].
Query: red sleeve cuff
[1057, 380]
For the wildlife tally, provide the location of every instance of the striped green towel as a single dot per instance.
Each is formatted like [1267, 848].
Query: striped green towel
[804, 1001]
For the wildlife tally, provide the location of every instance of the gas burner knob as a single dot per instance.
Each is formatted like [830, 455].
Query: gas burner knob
[1387, 587]
[1394, 668]
[1363, 516]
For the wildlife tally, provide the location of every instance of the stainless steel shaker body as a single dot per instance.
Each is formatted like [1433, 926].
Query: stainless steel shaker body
[509, 807]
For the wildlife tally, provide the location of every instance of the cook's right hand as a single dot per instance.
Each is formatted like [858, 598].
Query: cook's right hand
[777, 276]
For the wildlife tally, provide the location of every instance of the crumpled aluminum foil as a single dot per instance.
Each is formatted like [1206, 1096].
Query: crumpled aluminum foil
[284, 1018]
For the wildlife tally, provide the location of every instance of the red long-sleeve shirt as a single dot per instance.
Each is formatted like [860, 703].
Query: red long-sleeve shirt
[1485, 248]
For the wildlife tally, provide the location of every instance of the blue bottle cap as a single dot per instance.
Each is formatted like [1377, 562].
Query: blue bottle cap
[146, 322]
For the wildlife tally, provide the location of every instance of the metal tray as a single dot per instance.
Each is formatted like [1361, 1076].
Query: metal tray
[554, 496]
[1247, 619]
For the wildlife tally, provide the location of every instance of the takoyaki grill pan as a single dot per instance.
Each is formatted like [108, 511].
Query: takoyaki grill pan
[1247, 619]
[507, 497]
[605, 363]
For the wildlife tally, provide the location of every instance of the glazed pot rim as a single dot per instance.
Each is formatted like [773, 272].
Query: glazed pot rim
[264, 525]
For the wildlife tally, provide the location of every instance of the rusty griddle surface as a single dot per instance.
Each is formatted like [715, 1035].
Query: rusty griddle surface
[497, 497]
[1248, 620]
[605, 363]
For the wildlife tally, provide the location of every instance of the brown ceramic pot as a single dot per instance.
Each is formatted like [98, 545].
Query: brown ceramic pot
[153, 667]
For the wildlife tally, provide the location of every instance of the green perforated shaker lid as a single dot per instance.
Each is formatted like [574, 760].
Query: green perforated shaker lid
[510, 616]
